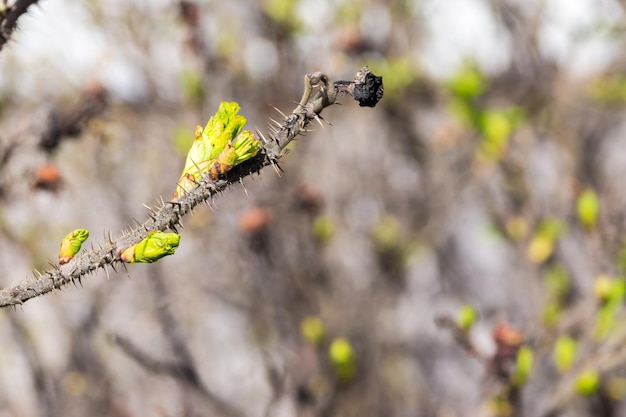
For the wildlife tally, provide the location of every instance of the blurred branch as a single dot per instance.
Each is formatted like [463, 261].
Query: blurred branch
[180, 371]
[367, 88]
[9, 16]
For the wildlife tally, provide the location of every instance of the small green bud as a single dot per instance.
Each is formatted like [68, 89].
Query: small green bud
[343, 359]
[312, 329]
[155, 246]
[466, 317]
[71, 244]
[587, 382]
[564, 353]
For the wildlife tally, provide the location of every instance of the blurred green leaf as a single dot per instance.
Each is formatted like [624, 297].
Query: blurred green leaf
[609, 89]
[192, 87]
[466, 317]
[343, 359]
[467, 83]
[313, 330]
[284, 13]
[564, 353]
[587, 382]
[588, 208]
[523, 366]
[398, 73]
[542, 244]
[323, 228]
[496, 127]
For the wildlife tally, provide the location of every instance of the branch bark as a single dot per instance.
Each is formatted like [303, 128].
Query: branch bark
[366, 88]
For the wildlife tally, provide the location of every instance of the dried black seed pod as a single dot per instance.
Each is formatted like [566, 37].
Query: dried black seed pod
[368, 88]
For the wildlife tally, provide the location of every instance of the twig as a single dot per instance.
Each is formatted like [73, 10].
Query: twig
[170, 214]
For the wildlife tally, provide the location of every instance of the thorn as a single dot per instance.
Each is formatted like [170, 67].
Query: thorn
[148, 207]
[244, 187]
[280, 112]
[106, 271]
[275, 122]
[276, 168]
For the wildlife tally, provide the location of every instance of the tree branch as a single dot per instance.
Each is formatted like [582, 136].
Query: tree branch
[9, 16]
[367, 88]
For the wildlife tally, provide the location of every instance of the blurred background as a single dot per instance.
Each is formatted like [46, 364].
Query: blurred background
[456, 251]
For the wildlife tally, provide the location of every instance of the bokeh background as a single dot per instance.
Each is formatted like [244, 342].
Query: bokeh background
[456, 251]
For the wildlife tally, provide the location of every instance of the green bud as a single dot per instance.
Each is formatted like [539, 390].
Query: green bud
[466, 317]
[312, 329]
[71, 244]
[564, 353]
[524, 366]
[588, 208]
[155, 246]
[587, 382]
[343, 359]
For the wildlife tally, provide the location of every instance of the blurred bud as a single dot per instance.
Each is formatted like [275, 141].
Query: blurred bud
[255, 220]
[155, 246]
[192, 87]
[387, 233]
[516, 228]
[506, 335]
[71, 244]
[564, 353]
[75, 383]
[312, 329]
[47, 177]
[309, 197]
[616, 388]
[542, 244]
[523, 366]
[343, 359]
[496, 127]
[602, 287]
[587, 382]
[508, 341]
[323, 228]
[468, 82]
[466, 317]
[588, 209]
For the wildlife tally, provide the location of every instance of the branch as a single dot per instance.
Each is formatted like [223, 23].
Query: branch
[9, 16]
[367, 88]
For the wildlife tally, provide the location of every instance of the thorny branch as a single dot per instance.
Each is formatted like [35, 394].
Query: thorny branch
[9, 16]
[366, 88]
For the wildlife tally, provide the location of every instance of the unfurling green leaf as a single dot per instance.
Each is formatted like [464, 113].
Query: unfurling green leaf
[71, 244]
[218, 147]
[155, 246]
